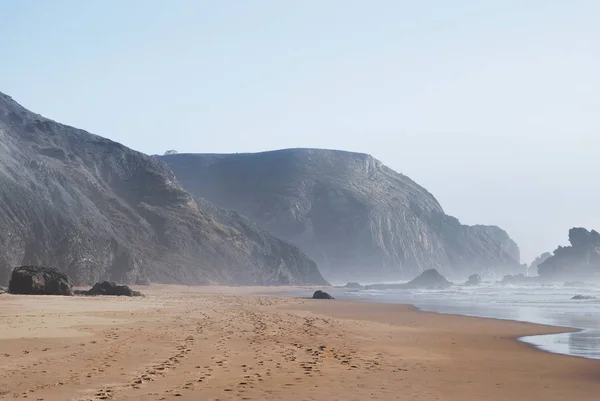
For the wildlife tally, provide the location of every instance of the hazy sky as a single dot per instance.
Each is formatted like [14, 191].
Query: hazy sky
[493, 106]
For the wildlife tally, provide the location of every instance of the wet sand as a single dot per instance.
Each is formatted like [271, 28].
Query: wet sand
[214, 343]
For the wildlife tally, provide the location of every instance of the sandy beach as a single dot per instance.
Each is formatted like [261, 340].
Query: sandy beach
[215, 343]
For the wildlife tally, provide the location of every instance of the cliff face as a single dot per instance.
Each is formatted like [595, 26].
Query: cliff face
[355, 217]
[97, 210]
[533, 268]
[580, 261]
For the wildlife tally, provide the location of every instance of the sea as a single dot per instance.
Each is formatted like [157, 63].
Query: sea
[544, 304]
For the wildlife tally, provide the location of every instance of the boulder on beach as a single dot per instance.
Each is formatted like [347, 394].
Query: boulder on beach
[110, 288]
[581, 297]
[321, 295]
[36, 280]
[429, 279]
[474, 279]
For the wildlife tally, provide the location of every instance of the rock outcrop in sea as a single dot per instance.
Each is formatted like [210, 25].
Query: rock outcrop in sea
[430, 279]
[351, 285]
[533, 267]
[37, 280]
[358, 219]
[578, 262]
[98, 210]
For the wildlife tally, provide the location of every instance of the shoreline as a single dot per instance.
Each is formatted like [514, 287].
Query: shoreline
[518, 338]
[229, 343]
[565, 329]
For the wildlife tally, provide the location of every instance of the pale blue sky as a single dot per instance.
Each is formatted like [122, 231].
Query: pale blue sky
[494, 106]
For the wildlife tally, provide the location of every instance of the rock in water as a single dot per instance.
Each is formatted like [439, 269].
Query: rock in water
[321, 295]
[353, 285]
[474, 279]
[580, 297]
[35, 280]
[110, 288]
[356, 218]
[107, 212]
[430, 279]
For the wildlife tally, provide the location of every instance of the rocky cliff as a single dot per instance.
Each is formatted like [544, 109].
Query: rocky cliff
[532, 269]
[356, 217]
[97, 210]
[580, 261]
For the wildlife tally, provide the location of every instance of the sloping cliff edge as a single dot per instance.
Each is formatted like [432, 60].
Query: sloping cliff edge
[357, 218]
[97, 210]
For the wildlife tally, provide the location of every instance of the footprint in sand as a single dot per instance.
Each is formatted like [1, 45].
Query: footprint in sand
[104, 394]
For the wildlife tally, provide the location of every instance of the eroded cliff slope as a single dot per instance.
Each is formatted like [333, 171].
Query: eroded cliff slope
[355, 217]
[96, 210]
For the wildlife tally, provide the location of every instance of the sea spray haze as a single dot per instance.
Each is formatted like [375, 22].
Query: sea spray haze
[97, 210]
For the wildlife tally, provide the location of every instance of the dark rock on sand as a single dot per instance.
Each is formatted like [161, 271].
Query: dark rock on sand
[474, 279]
[110, 288]
[321, 295]
[36, 280]
[581, 297]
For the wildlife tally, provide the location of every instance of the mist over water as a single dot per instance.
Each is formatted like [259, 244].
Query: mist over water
[547, 304]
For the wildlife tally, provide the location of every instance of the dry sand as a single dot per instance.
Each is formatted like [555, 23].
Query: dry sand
[185, 343]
